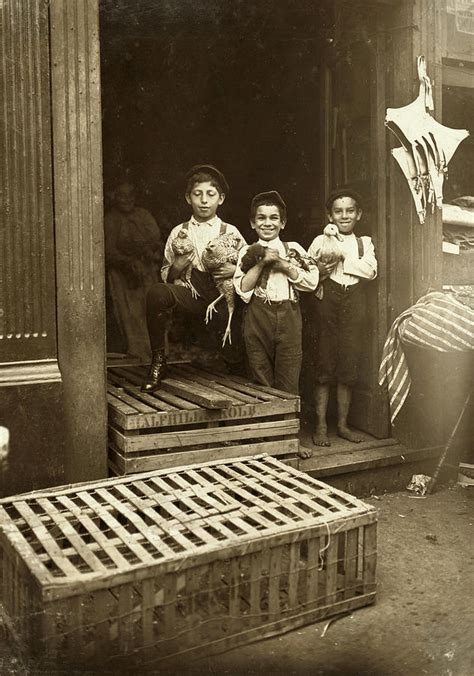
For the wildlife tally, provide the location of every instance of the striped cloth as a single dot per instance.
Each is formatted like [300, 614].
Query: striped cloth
[437, 321]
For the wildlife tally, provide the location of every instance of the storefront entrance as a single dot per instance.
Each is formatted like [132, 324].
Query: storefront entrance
[266, 94]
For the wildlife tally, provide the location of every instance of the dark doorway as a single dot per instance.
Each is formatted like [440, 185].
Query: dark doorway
[236, 84]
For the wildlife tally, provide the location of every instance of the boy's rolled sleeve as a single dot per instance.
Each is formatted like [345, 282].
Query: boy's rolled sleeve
[365, 267]
[239, 275]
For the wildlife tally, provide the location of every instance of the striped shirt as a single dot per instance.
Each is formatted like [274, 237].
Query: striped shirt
[437, 321]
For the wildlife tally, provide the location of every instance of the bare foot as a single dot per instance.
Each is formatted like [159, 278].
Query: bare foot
[344, 432]
[320, 437]
[305, 452]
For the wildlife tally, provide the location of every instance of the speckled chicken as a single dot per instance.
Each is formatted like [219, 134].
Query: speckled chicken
[181, 245]
[222, 249]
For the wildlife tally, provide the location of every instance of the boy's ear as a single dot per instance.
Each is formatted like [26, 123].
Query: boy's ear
[221, 198]
[283, 224]
[188, 198]
[359, 214]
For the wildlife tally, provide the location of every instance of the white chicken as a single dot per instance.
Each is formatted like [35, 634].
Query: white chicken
[330, 249]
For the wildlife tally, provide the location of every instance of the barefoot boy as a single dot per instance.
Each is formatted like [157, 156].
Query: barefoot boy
[270, 286]
[186, 284]
[340, 313]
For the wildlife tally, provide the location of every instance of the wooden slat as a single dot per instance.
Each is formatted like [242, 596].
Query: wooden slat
[370, 557]
[237, 397]
[195, 414]
[124, 509]
[181, 439]
[274, 582]
[293, 574]
[241, 385]
[116, 527]
[350, 563]
[72, 535]
[263, 390]
[312, 570]
[198, 395]
[161, 395]
[103, 542]
[47, 541]
[133, 402]
[187, 390]
[147, 608]
[131, 464]
[120, 406]
[135, 392]
[331, 569]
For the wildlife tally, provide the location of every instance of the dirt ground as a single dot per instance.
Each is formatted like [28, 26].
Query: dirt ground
[421, 624]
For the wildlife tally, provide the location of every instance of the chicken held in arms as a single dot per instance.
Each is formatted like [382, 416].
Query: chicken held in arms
[221, 250]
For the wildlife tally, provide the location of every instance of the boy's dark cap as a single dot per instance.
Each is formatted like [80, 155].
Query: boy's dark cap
[212, 171]
[271, 196]
[343, 192]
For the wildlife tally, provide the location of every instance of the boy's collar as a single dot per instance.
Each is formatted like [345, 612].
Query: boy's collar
[265, 242]
[215, 220]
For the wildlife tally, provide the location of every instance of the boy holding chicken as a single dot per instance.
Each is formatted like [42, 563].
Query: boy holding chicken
[269, 277]
[187, 284]
[340, 311]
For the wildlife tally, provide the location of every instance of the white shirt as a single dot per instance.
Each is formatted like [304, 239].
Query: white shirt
[200, 235]
[279, 286]
[349, 270]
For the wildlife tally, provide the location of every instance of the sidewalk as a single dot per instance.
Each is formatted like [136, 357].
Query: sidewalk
[423, 620]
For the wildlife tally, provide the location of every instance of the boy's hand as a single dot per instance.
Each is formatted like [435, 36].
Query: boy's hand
[183, 260]
[325, 269]
[225, 271]
[271, 257]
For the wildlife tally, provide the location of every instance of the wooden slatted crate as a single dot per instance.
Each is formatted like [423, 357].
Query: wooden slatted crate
[195, 416]
[181, 562]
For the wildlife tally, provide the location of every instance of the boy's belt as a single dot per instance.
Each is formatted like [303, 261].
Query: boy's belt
[343, 288]
[267, 301]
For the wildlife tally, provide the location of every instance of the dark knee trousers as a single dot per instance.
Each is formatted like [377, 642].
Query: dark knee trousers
[340, 317]
[163, 298]
[272, 335]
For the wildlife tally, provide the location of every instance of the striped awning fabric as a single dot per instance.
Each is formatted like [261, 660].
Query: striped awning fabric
[437, 321]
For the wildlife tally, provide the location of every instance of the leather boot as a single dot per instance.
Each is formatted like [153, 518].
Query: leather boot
[156, 372]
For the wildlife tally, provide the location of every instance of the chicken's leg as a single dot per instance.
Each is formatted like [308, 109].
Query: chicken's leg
[211, 308]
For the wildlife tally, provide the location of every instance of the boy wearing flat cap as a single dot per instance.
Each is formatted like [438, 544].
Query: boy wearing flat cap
[268, 278]
[186, 283]
[340, 313]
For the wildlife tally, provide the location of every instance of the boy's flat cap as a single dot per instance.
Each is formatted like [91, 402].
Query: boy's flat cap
[343, 192]
[271, 196]
[212, 171]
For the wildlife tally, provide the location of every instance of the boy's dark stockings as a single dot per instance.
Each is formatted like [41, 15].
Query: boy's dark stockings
[344, 395]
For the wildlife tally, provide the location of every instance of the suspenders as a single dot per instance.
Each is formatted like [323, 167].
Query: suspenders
[222, 231]
[360, 246]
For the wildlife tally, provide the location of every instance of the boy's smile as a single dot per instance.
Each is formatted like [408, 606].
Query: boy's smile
[267, 222]
[204, 200]
[345, 213]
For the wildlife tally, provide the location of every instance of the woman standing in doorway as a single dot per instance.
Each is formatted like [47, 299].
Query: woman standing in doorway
[133, 254]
